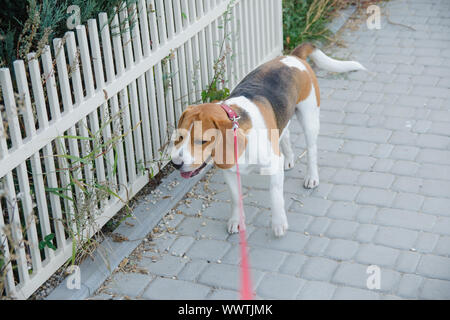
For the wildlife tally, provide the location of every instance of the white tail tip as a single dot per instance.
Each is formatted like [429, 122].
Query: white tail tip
[325, 62]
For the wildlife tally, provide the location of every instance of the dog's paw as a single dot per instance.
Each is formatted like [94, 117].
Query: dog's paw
[233, 226]
[289, 162]
[279, 225]
[279, 228]
[311, 181]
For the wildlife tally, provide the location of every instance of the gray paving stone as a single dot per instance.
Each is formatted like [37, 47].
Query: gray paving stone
[225, 276]
[434, 156]
[293, 263]
[405, 152]
[358, 147]
[316, 246]
[443, 246]
[168, 289]
[299, 222]
[316, 290]
[435, 289]
[291, 242]
[128, 284]
[166, 266]
[344, 210]
[405, 219]
[279, 286]
[208, 249]
[318, 225]
[436, 188]
[407, 168]
[426, 242]
[192, 270]
[382, 150]
[366, 214]
[433, 171]
[408, 184]
[197, 227]
[350, 273]
[342, 229]
[346, 176]
[344, 192]
[437, 206]
[396, 237]
[376, 179]
[339, 249]
[312, 206]
[409, 286]
[442, 226]
[362, 163]
[317, 268]
[221, 294]
[434, 267]
[365, 233]
[410, 201]
[375, 196]
[181, 245]
[347, 293]
[407, 261]
[369, 134]
[265, 259]
[377, 255]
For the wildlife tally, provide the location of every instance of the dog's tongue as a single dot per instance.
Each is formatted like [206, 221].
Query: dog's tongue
[186, 175]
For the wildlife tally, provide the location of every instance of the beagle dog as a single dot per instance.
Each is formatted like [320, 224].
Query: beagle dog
[265, 101]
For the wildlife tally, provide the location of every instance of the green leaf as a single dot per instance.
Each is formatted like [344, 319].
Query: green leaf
[49, 237]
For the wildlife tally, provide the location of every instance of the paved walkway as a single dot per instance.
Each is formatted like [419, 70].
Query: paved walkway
[384, 197]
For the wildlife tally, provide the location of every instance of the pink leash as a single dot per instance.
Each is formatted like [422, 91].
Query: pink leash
[246, 287]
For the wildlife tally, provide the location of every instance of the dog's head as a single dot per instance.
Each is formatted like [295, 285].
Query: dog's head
[205, 134]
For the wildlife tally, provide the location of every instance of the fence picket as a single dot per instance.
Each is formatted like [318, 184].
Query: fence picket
[124, 101]
[142, 105]
[115, 113]
[182, 94]
[90, 90]
[22, 175]
[104, 110]
[4, 247]
[52, 178]
[36, 167]
[135, 130]
[66, 95]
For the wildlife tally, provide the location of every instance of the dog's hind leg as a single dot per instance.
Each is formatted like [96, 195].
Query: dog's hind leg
[308, 114]
[286, 149]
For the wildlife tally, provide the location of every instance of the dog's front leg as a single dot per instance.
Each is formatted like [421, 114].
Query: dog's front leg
[279, 219]
[232, 182]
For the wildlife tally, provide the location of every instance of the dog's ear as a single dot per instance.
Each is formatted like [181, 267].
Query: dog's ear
[223, 153]
[187, 117]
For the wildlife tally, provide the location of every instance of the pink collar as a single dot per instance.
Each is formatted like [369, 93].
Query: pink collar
[232, 115]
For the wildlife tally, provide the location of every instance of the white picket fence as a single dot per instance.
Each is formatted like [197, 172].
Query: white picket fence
[92, 74]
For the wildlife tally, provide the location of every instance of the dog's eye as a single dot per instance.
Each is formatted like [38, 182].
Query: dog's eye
[202, 142]
[179, 139]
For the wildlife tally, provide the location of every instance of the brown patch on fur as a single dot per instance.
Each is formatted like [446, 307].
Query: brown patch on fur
[304, 81]
[303, 50]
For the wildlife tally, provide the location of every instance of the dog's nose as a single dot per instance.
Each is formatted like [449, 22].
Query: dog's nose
[177, 166]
